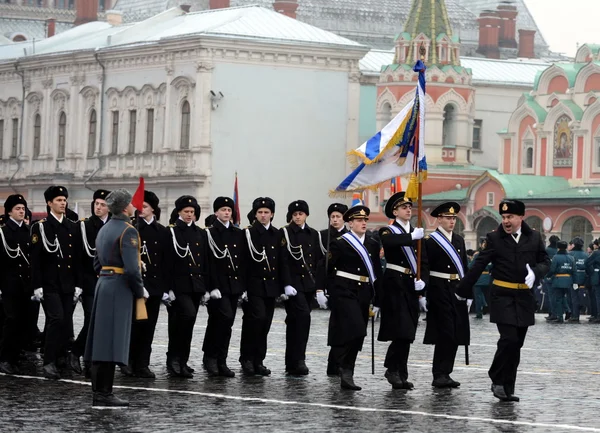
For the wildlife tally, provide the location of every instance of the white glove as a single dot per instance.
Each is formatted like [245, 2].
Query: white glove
[419, 285]
[530, 278]
[205, 298]
[375, 310]
[144, 267]
[146, 294]
[469, 302]
[575, 286]
[171, 296]
[423, 303]
[245, 297]
[215, 294]
[460, 298]
[166, 300]
[284, 297]
[38, 295]
[417, 234]
[290, 291]
[77, 294]
[322, 300]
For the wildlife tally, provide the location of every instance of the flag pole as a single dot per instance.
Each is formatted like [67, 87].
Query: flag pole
[422, 51]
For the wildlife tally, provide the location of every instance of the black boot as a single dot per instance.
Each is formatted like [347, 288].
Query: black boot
[185, 371]
[393, 378]
[51, 372]
[126, 370]
[74, 363]
[347, 380]
[210, 364]
[332, 369]
[8, 368]
[261, 370]
[174, 366]
[104, 375]
[224, 370]
[299, 368]
[445, 381]
[499, 392]
[248, 367]
[144, 373]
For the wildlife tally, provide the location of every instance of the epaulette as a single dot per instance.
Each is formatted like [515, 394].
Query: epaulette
[427, 237]
[43, 220]
[171, 225]
[339, 238]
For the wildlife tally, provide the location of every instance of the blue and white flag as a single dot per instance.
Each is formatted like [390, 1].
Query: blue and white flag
[391, 152]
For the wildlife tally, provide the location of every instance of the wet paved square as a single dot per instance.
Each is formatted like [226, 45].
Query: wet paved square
[558, 382]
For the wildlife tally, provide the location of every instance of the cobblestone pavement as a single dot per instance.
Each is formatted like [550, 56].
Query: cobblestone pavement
[558, 384]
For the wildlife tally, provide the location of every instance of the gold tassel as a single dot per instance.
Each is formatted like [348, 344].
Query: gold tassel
[412, 191]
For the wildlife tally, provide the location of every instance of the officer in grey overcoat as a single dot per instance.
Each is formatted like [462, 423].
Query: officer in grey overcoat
[117, 263]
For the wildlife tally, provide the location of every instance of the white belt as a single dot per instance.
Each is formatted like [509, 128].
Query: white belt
[398, 269]
[444, 276]
[350, 276]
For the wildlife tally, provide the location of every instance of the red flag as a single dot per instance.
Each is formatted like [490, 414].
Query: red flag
[236, 203]
[138, 198]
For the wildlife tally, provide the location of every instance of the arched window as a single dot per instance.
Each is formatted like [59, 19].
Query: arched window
[92, 134]
[37, 135]
[448, 128]
[529, 157]
[185, 126]
[62, 133]
[486, 225]
[385, 116]
[577, 226]
[536, 224]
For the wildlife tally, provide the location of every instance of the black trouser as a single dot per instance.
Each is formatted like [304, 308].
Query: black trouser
[221, 315]
[58, 308]
[142, 334]
[13, 332]
[396, 358]
[256, 324]
[32, 332]
[103, 376]
[346, 354]
[87, 302]
[180, 334]
[297, 327]
[508, 355]
[444, 355]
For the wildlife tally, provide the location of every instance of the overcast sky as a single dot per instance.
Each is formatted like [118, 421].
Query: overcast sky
[564, 23]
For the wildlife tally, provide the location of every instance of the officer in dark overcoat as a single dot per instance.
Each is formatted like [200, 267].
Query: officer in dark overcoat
[227, 271]
[118, 265]
[263, 250]
[447, 317]
[399, 291]
[15, 286]
[299, 280]
[562, 277]
[354, 268]
[519, 259]
[89, 231]
[57, 274]
[155, 244]
[188, 271]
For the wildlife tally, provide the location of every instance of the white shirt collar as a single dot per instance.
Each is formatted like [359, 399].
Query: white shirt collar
[226, 224]
[149, 222]
[303, 225]
[341, 228]
[188, 224]
[405, 226]
[445, 233]
[60, 220]
[17, 223]
[360, 238]
[267, 226]
[104, 219]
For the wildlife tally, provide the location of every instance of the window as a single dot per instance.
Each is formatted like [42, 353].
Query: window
[477, 134]
[15, 138]
[149, 129]
[528, 156]
[132, 130]
[37, 135]
[597, 152]
[577, 226]
[92, 134]
[448, 126]
[490, 199]
[115, 133]
[1, 138]
[185, 126]
[62, 133]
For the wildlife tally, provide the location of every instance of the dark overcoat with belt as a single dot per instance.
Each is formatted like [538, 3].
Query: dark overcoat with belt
[263, 271]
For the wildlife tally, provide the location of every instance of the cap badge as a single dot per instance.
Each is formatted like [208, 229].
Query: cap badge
[362, 212]
[60, 189]
[504, 207]
[189, 200]
[451, 210]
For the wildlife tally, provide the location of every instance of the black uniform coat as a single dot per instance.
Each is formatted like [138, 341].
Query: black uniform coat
[328, 235]
[396, 294]
[447, 318]
[349, 300]
[301, 274]
[509, 306]
[110, 324]
[226, 276]
[262, 278]
[15, 272]
[188, 274]
[156, 242]
[92, 226]
[53, 272]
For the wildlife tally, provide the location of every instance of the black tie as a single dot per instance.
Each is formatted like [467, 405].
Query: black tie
[515, 235]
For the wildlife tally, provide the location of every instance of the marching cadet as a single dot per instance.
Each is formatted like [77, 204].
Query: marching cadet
[399, 291]
[15, 287]
[519, 259]
[120, 282]
[562, 270]
[298, 279]
[482, 285]
[592, 271]
[227, 272]
[578, 278]
[263, 258]
[447, 317]
[155, 241]
[354, 268]
[188, 277]
[89, 231]
[56, 275]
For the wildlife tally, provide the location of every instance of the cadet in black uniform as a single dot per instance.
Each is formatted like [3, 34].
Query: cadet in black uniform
[263, 265]
[298, 279]
[227, 271]
[89, 231]
[155, 244]
[15, 286]
[398, 292]
[447, 317]
[519, 259]
[56, 274]
[353, 269]
[188, 278]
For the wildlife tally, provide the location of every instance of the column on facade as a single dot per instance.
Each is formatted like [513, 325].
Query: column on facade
[169, 108]
[352, 131]
[74, 137]
[48, 137]
[202, 113]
